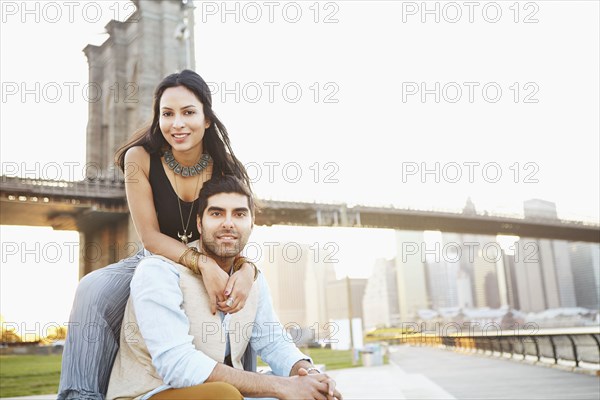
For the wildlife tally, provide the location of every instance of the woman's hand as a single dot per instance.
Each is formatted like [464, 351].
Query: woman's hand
[215, 281]
[237, 289]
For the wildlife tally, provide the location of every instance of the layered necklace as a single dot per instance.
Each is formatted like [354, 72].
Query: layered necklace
[178, 169]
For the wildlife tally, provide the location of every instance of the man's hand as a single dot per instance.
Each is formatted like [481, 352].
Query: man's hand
[331, 391]
[215, 281]
[303, 387]
[251, 384]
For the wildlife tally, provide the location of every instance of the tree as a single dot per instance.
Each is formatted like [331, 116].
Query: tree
[55, 333]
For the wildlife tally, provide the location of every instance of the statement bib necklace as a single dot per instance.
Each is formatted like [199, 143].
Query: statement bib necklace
[179, 169]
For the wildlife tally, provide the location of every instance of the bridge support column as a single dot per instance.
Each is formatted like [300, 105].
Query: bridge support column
[107, 244]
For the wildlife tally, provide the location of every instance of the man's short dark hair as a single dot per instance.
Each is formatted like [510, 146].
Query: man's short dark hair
[223, 184]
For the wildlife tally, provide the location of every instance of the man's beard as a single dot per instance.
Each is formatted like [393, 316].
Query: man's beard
[222, 250]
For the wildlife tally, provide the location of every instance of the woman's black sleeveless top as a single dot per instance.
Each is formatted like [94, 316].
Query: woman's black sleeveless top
[165, 203]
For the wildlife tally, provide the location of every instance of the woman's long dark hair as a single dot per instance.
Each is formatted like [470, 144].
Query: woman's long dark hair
[216, 138]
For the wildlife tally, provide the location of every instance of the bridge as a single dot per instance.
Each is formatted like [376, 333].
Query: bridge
[97, 208]
[91, 204]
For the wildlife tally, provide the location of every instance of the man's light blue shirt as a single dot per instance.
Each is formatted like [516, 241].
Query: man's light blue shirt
[157, 301]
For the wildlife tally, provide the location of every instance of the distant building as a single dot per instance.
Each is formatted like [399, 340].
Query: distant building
[286, 272]
[487, 293]
[299, 288]
[337, 298]
[306, 295]
[410, 273]
[464, 290]
[380, 302]
[456, 248]
[564, 273]
[542, 275]
[442, 279]
[316, 280]
[528, 275]
[542, 209]
[479, 274]
[550, 279]
[469, 208]
[585, 263]
[338, 312]
[512, 293]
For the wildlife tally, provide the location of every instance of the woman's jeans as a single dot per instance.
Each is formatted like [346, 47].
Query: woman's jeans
[94, 329]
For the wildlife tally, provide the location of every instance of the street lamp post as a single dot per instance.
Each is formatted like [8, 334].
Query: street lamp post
[349, 290]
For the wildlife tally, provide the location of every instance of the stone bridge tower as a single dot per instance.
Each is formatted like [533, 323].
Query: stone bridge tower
[156, 40]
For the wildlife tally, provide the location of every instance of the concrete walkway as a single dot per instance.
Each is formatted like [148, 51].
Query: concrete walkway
[472, 376]
[386, 382]
[429, 373]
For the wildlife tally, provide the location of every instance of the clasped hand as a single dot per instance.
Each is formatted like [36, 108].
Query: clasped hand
[222, 287]
[311, 386]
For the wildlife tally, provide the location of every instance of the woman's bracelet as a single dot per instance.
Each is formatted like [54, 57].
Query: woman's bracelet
[237, 264]
[190, 259]
[184, 254]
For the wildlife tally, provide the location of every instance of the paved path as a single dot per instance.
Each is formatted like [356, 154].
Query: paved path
[428, 373]
[470, 376]
[386, 382]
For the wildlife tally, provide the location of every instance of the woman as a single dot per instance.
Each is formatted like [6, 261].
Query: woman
[165, 165]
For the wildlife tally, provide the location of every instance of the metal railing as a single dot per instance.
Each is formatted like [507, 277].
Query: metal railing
[578, 349]
[97, 188]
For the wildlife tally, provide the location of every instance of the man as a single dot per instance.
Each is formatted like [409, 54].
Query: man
[171, 345]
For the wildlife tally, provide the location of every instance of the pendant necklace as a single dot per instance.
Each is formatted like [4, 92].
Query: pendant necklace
[185, 237]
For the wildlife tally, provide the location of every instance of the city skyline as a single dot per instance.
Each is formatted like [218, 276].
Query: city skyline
[456, 271]
[498, 179]
[362, 131]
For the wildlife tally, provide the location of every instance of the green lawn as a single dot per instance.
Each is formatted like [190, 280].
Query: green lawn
[39, 374]
[24, 375]
[333, 359]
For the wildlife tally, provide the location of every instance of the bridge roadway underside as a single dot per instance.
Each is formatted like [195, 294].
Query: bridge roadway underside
[472, 376]
[88, 214]
[104, 225]
[283, 213]
[480, 225]
[63, 214]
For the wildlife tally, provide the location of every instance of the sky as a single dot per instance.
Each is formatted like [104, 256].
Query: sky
[373, 103]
